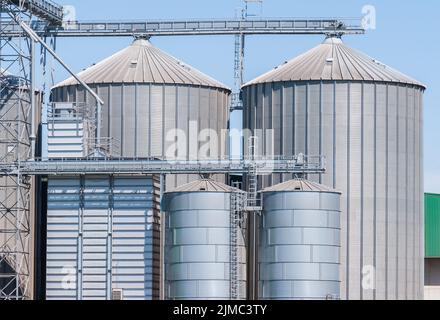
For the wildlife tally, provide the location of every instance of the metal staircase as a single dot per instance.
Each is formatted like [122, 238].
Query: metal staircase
[235, 222]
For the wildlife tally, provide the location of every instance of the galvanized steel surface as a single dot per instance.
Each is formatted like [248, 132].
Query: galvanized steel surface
[143, 63]
[299, 254]
[197, 257]
[333, 60]
[102, 234]
[207, 185]
[17, 195]
[141, 112]
[371, 134]
[65, 140]
[296, 185]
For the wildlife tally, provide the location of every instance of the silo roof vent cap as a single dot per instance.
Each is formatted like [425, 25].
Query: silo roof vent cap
[183, 65]
[333, 40]
[379, 63]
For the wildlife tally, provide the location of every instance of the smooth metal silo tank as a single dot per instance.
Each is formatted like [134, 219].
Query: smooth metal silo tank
[147, 95]
[299, 242]
[367, 120]
[198, 242]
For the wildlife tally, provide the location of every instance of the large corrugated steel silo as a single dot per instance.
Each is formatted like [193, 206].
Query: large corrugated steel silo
[300, 242]
[198, 242]
[367, 119]
[148, 93]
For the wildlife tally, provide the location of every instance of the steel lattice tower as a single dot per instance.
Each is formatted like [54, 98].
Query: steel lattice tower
[16, 91]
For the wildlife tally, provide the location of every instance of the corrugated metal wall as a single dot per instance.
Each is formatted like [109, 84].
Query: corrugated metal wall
[139, 116]
[300, 246]
[102, 234]
[432, 225]
[197, 252]
[65, 140]
[371, 135]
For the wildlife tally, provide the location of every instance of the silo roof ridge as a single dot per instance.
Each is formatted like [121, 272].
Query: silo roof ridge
[143, 63]
[299, 185]
[334, 61]
[204, 185]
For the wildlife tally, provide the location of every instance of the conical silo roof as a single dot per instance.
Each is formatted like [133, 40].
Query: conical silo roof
[204, 185]
[299, 185]
[332, 61]
[141, 62]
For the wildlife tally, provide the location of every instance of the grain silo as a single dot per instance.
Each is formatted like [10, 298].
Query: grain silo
[366, 119]
[147, 94]
[299, 242]
[198, 242]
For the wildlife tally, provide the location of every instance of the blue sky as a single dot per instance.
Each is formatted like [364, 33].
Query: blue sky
[406, 38]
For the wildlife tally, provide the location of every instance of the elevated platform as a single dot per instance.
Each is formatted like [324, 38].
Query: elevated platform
[284, 26]
[98, 166]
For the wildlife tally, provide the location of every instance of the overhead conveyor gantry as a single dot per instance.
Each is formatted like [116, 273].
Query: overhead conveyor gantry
[294, 165]
[284, 26]
[44, 9]
[51, 24]
[46, 19]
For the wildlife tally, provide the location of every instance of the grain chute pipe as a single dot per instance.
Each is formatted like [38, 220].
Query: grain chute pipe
[99, 102]
[33, 135]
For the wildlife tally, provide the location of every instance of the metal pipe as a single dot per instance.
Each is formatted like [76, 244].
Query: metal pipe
[98, 126]
[162, 241]
[99, 102]
[37, 39]
[33, 136]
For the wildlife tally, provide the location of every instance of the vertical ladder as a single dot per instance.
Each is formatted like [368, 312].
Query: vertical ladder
[236, 102]
[235, 214]
[253, 208]
[252, 188]
[243, 14]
